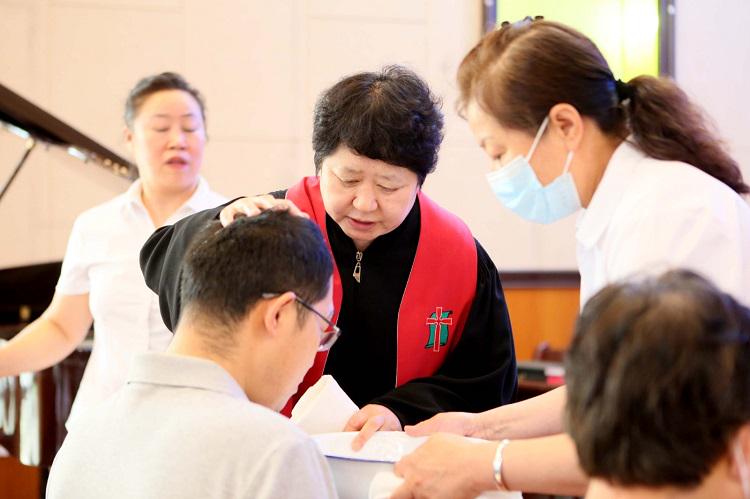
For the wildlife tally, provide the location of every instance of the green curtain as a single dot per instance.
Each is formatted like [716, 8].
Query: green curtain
[626, 31]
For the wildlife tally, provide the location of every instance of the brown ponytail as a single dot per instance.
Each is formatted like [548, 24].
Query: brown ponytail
[519, 72]
[666, 125]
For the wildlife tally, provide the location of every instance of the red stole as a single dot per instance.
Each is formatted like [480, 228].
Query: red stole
[438, 295]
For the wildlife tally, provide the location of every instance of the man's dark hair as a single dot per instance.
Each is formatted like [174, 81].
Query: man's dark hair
[658, 380]
[156, 83]
[389, 116]
[227, 270]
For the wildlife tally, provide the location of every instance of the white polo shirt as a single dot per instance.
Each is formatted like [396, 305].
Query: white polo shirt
[183, 428]
[648, 216]
[102, 260]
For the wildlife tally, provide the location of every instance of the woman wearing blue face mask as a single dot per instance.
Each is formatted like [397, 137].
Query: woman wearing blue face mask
[518, 188]
[656, 188]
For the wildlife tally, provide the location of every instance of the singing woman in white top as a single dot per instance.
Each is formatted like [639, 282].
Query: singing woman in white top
[100, 281]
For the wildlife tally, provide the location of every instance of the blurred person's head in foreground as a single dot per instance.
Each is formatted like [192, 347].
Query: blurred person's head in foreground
[658, 380]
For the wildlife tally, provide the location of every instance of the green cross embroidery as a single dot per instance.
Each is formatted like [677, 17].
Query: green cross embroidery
[442, 319]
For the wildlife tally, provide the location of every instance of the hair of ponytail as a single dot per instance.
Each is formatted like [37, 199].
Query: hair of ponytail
[666, 125]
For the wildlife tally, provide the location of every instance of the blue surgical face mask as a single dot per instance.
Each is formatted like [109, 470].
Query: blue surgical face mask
[517, 187]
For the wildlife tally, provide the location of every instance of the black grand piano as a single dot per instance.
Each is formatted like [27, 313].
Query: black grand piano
[35, 406]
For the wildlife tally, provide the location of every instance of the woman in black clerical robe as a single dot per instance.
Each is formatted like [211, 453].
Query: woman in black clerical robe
[424, 322]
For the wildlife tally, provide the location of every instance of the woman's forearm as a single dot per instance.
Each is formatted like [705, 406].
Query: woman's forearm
[536, 417]
[547, 465]
[49, 339]
[37, 347]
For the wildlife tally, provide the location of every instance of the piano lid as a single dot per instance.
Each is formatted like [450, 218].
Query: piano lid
[41, 125]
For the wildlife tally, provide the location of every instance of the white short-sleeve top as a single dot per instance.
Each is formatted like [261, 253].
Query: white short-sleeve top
[649, 215]
[102, 260]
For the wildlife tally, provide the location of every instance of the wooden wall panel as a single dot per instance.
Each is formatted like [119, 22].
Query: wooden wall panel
[541, 314]
[18, 481]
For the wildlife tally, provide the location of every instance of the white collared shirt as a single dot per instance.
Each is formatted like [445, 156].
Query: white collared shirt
[102, 260]
[649, 215]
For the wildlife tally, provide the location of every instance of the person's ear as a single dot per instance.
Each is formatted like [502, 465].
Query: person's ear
[567, 123]
[277, 313]
[205, 132]
[739, 456]
[127, 135]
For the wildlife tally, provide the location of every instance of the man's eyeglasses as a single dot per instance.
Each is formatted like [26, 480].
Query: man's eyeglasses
[327, 337]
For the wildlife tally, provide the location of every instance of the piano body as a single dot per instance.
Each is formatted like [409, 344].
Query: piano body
[35, 406]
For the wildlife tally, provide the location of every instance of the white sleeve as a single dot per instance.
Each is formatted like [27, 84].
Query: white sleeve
[295, 469]
[696, 239]
[74, 275]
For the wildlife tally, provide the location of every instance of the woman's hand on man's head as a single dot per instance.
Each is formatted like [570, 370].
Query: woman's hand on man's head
[251, 206]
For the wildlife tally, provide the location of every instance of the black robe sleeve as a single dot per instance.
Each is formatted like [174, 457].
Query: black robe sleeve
[161, 260]
[480, 373]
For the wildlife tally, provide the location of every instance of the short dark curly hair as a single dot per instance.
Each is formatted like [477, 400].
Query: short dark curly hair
[658, 379]
[389, 116]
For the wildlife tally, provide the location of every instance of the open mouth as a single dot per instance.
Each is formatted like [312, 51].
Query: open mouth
[177, 162]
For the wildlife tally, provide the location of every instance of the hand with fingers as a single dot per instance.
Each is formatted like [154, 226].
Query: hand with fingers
[248, 207]
[368, 420]
[446, 467]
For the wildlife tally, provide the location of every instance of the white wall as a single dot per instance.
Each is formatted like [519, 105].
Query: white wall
[713, 66]
[261, 66]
